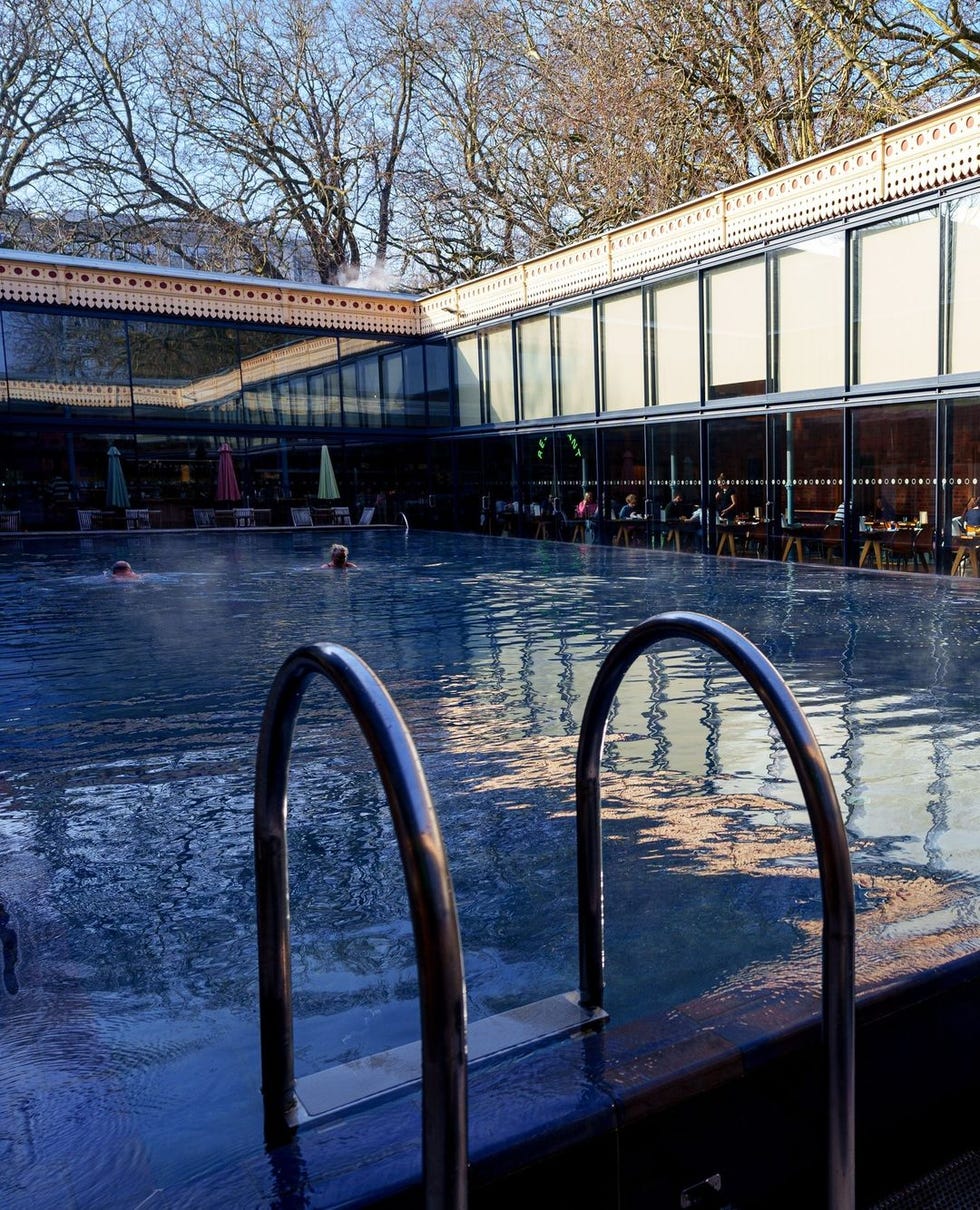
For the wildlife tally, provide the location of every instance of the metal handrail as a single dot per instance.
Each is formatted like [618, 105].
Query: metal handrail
[432, 904]
[831, 845]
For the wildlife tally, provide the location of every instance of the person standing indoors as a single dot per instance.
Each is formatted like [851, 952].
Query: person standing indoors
[724, 501]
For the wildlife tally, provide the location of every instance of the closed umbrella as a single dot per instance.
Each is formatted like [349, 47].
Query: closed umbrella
[116, 492]
[327, 488]
[227, 482]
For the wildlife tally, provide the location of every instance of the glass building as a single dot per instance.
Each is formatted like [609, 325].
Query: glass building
[807, 339]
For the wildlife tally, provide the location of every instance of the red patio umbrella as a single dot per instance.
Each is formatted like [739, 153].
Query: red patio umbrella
[227, 483]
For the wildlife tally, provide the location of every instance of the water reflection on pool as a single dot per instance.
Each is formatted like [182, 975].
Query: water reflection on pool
[130, 715]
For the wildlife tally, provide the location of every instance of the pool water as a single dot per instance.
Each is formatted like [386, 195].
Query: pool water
[130, 715]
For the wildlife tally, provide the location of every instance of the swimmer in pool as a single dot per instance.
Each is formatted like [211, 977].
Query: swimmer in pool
[338, 558]
[122, 571]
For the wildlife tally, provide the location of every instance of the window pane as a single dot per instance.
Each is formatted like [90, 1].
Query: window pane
[677, 342]
[964, 350]
[621, 324]
[736, 297]
[393, 389]
[575, 360]
[57, 362]
[534, 354]
[810, 315]
[897, 278]
[437, 383]
[806, 482]
[894, 462]
[185, 368]
[414, 386]
[500, 373]
[467, 357]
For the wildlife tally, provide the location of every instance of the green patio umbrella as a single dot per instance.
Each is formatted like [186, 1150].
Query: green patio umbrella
[116, 492]
[327, 488]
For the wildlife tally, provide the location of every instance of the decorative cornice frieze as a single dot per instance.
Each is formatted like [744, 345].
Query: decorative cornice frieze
[926, 153]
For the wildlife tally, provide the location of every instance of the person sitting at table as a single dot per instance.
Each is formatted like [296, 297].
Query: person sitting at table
[694, 518]
[971, 514]
[586, 507]
[675, 509]
[725, 501]
[884, 509]
[629, 509]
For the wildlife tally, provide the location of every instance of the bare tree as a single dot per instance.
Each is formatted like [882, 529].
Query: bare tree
[42, 93]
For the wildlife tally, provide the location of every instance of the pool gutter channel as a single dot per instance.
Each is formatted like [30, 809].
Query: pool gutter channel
[727, 1086]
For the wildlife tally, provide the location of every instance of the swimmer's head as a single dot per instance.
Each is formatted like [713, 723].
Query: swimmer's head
[122, 568]
[338, 554]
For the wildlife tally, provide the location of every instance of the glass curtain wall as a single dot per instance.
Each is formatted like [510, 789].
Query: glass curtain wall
[624, 469]
[738, 471]
[674, 310]
[622, 361]
[501, 484]
[575, 360]
[806, 481]
[896, 299]
[735, 329]
[963, 353]
[962, 473]
[499, 376]
[534, 360]
[893, 474]
[675, 471]
[537, 459]
[576, 468]
[808, 314]
[70, 366]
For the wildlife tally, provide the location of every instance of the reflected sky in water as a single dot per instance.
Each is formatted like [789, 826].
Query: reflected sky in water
[130, 717]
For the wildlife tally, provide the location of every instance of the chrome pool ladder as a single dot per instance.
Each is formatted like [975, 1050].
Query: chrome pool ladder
[830, 837]
[432, 905]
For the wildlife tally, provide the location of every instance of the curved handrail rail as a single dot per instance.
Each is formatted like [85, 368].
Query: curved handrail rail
[431, 901]
[405, 519]
[831, 844]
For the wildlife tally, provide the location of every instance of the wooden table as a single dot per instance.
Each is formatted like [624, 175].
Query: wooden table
[727, 539]
[628, 528]
[793, 538]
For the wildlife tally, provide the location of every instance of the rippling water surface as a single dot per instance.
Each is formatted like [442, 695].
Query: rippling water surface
[128, 1030]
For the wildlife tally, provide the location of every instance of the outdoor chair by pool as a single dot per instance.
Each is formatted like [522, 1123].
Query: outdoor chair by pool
[244, 518]
[340, 516]
[10, 521]
[367, 516]
[204, 518]
[302, 518]
[137, 518]
[89, 518]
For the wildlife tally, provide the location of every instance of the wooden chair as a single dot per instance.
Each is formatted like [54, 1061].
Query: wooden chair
[922, 547]
[340, 516]
[757, 540]
[832, 541]
[898, 547]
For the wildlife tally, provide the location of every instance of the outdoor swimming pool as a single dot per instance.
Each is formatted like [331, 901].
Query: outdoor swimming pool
[130, 716]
